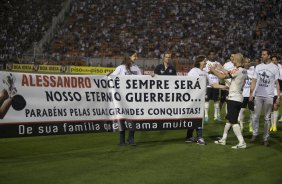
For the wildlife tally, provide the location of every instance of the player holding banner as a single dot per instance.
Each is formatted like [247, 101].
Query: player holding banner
[127, 67]
[197, 71]
[165, 68]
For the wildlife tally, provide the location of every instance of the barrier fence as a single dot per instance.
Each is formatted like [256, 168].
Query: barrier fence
[69, 69]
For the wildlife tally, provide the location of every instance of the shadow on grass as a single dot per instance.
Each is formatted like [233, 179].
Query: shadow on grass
[163, 141]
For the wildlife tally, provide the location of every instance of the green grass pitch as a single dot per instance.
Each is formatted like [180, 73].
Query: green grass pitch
[161, 157]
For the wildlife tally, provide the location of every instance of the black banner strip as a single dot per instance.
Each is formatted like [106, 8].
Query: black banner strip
[62, 128]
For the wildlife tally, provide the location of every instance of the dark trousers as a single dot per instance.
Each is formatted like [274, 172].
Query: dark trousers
[130, 138]
[199, 131]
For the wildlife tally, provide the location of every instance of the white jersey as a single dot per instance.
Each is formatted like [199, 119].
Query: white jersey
[280, 77]
[121, 70]
[275, 91]
[266, 76]
[238, 77]
[197, 72]
[228, 66]
[246, 88]
[280, 71]
[212, 79]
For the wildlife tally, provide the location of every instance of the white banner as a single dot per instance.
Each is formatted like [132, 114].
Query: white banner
[43, 98]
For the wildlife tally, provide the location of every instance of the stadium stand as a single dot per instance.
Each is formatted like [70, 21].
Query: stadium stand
[105, 28]
[24, 23]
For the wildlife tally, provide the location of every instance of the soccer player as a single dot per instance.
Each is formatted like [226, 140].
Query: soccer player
[127, 67]
[165, 68]
[280, 74]
[224, 93]
[275, 108]
[212, 93]
[234, 99]
[262, 88]
[246, 93]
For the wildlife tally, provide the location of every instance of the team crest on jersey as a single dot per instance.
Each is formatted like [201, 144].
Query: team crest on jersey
[244, 72]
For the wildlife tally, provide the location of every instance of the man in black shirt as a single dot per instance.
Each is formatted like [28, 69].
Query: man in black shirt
[165, 68]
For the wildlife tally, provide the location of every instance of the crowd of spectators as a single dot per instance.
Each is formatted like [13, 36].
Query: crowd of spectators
[23, 23]
[105, 28]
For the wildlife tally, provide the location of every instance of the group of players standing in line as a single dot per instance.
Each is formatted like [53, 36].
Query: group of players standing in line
[260, 90]
[240, 84]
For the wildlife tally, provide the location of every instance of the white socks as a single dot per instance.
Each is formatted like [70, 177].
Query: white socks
[207, 104]
[241, 116]
[237, 131]
[216, 110]
[274, 118]
[225, 131]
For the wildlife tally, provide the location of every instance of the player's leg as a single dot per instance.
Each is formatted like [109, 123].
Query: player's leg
[267, 107]
[227, 126]
[274, 115]
[215, 98]
[258, 102]
[207, 102]
[233, 118]
[251, 108]
[241, 116]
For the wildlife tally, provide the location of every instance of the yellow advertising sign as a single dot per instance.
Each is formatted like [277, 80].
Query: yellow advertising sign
[58, 69]
[20, 67]
[50, 69]
[36, 68]
[90, 70]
